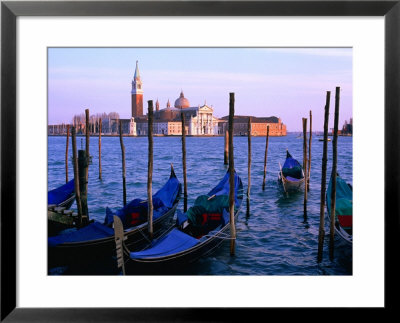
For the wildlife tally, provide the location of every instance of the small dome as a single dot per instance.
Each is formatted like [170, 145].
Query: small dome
[182, 102]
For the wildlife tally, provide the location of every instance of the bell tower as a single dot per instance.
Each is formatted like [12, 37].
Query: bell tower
[137, 94]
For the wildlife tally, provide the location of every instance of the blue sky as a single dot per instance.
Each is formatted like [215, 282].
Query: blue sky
[282, 82]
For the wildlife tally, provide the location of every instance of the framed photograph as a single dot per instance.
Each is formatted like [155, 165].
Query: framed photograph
[74, 72]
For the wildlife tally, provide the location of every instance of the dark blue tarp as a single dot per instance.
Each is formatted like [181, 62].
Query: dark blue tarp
[163, 200]
[62, 193]
[223, 187]
[174, 242]
[292, 168]
[168, 193]
[92, 231]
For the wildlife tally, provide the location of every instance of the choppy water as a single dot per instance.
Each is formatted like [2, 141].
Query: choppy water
[273, 239]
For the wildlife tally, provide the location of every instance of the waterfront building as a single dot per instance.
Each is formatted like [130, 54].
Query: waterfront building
[198, 120]
[128, 126]
[258, 126]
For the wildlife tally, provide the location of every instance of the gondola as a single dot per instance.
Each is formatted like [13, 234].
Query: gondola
[62, 196]
[198, 232]
[97, 239]
[291, 175]
[343, 209]
[59, 200]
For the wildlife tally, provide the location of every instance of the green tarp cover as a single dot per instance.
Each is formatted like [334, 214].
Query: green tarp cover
[344, 197]
[344, 207]
[203, 205]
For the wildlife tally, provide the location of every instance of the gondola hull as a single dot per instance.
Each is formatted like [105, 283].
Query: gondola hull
[68, 202]
[345, 239]
[345, 214]
[96, 240]
[60, 198]
[178, 249]
[172, 263]
[290, 185]
[291, 175]
[86, 251]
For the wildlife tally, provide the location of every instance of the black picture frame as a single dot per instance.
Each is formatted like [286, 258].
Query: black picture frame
[10, 10]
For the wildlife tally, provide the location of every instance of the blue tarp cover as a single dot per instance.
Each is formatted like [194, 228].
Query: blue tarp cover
[180, 217]
[60, 194]
[176, 241]
[165, 196]
[223, 187]
[92, 231]
[172, 243]
[292, 168]
[163, 200]
[168, 193]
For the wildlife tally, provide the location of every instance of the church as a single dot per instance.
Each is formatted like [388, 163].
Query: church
[199, 120]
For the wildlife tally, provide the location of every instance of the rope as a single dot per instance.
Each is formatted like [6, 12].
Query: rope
[144, 236]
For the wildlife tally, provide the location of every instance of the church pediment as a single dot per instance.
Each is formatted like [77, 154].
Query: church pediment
[205, 108]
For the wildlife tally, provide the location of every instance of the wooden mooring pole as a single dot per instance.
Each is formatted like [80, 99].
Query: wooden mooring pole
[226, 148]
[100, 126]
[150, 170]
[248, 166]
[333, 175]
[184, 162]
[305, 164]
[83, 162]
[76, 176]
[87, 152]
[231, 174]
[321, 233]
[309, 154]
[265, 158]
[66, 156]
[87, 132]
[121, 141]
[248, 156]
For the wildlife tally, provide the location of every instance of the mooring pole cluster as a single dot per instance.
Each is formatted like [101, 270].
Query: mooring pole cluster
[305, 165]
[334, 173]
[321, 234]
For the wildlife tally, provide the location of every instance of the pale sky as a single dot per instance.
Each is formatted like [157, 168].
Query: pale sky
[281, 82]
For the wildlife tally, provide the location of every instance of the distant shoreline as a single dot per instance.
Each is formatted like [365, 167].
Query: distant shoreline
[141, 136]
[177, 136]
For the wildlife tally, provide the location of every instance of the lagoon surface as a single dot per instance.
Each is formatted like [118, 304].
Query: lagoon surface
[274, 238]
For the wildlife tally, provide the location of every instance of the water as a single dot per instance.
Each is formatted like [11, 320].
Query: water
[273, 239]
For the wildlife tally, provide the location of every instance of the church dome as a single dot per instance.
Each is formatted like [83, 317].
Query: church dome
[182, 102]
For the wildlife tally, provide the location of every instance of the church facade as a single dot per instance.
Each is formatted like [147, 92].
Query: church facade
[199, 120]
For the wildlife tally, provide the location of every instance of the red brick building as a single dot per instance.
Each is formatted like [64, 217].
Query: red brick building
[258, 126]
